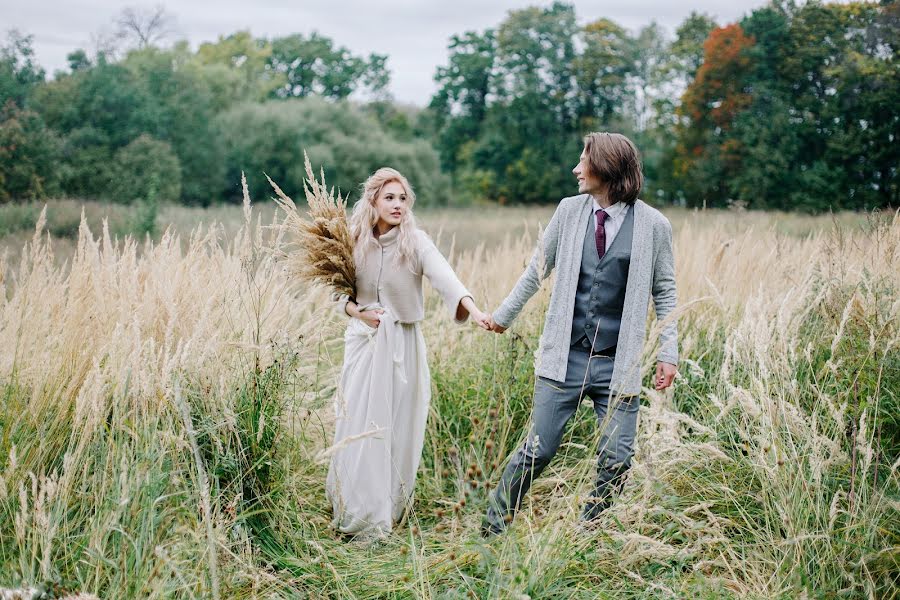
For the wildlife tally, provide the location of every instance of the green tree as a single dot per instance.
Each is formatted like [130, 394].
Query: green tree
[848, 76]
[460, 105]
[108, 97]
[183, 117]
[28, 155]
[513, 102]
[271, 137]
[314, 66]
[241, 67]
[659, 140]
[535, 115]
[647, 76]
[602, 70]
[78, 60]
[866, 147]
[87, 163]
[686, 52]
[96, 111]
[146, 170]
[19, 73]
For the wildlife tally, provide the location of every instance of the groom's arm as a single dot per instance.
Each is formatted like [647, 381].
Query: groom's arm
[665, 296]
[539, 268]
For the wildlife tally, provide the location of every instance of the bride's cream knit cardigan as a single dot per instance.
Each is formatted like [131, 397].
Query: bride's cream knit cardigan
[383, 280]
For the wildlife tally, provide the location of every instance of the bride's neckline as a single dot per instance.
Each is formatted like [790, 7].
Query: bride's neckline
[389, 237]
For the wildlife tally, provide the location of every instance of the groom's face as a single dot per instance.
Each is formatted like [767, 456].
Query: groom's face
[588, 183]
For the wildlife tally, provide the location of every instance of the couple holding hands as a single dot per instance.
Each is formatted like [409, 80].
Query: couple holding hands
[612, 253]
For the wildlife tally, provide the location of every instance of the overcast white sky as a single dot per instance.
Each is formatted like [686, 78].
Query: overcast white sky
[413, 33]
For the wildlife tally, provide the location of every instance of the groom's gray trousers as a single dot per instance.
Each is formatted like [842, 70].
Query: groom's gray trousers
[554, 405]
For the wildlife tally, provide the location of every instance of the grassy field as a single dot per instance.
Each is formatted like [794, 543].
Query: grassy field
[166, 403]
[456, 228]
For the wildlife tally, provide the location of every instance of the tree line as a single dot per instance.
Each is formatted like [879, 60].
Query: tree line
[793, 107]
[180, 125]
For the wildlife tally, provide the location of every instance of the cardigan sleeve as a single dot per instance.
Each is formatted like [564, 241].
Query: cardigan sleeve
[442, 278]
[542, 263]
[340, 303]
[665, 297]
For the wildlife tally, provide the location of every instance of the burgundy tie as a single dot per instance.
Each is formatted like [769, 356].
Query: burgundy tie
[600, 234]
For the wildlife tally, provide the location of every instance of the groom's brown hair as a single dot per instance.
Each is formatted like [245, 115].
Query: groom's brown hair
[615, 161]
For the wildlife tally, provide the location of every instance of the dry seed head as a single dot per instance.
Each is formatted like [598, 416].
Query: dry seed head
[323, 246]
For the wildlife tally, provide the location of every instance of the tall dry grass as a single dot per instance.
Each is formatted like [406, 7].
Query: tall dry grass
[164, 407]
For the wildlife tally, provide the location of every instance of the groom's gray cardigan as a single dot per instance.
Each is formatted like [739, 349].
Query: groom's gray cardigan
[651, 271]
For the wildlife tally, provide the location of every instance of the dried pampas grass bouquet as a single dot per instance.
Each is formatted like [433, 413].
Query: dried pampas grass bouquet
[323, 244]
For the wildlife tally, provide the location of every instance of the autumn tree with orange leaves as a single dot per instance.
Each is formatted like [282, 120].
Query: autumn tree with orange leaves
[789, 110]
[712, 101]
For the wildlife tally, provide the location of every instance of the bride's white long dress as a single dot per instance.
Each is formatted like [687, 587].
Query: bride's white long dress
[381, 411]
[381, 406]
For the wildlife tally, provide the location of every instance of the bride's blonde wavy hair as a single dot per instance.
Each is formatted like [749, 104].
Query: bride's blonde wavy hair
[365, 216]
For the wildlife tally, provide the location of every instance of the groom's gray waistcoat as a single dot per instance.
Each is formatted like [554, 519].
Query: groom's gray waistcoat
[651, 272]
[600, 295]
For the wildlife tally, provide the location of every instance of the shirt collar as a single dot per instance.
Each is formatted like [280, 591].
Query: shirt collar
[613, 211]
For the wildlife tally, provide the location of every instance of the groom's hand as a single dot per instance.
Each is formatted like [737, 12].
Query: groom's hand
[665, 374]
[494, 327]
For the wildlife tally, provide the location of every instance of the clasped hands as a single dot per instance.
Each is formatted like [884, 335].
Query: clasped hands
[486, 322]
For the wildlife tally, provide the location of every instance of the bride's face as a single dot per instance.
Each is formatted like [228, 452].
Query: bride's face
[391, 204]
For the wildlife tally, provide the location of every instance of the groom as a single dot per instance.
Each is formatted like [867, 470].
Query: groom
[612, 252]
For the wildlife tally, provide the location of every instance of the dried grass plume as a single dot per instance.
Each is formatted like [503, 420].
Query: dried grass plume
[322, 246]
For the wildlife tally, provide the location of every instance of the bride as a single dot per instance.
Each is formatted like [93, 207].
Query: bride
[385, 387]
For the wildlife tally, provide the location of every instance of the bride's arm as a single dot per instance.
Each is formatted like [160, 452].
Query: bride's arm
[442, 278]
[481, 318]
[351, 309]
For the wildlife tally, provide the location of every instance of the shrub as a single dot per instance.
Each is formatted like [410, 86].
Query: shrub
[148, 170]
[339, 138]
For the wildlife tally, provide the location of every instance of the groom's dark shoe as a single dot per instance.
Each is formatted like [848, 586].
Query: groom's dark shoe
[489, 529]
[593, 508]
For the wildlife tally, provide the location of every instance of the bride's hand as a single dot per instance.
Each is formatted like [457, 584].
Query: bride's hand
[372, 318]
[482, 319]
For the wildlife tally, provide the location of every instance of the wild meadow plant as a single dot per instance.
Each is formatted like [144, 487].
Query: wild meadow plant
[166, 407]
